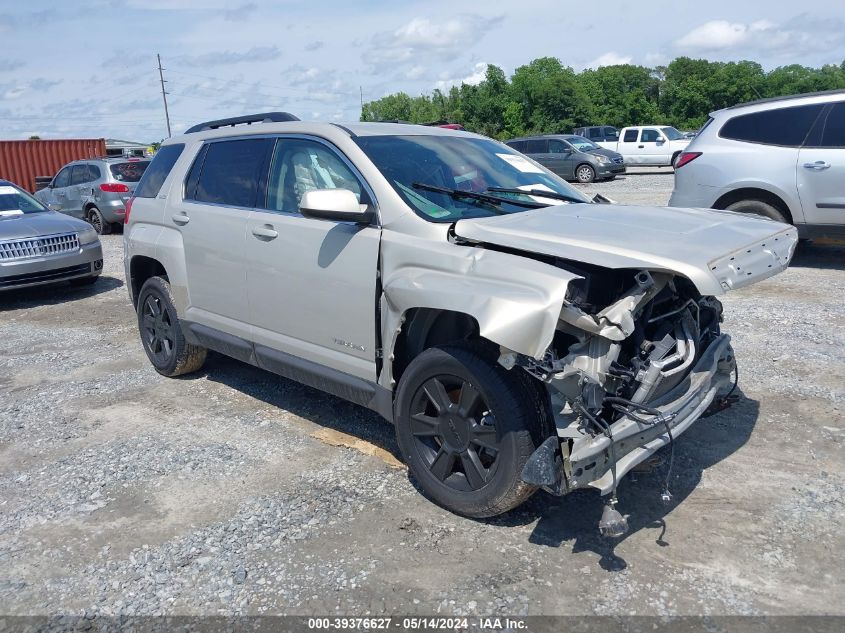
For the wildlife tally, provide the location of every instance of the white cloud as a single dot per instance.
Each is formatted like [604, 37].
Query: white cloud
[609, 59]
[424, 39]
[798, 35]
[475, 77]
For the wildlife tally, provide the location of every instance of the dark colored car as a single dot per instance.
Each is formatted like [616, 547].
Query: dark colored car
[571, 157]
[598, 133]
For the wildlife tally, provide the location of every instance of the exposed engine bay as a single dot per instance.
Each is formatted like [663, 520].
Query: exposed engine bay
[636, 358]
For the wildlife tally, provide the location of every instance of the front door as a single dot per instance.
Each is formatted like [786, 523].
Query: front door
[821, 171]
[220, 191]
[561, 159]
[56, 194]
[312, 283]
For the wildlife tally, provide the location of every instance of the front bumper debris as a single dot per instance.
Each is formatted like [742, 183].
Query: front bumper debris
[561, 466]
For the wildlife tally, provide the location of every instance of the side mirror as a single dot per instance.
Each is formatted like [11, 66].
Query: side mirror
[660, 140]
[337, 205]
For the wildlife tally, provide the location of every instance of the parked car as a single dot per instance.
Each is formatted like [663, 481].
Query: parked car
[95, 190]
[515, 334]
[571, 157]
[648, 145]
[39, 246]
[780, 158]
[598, 133]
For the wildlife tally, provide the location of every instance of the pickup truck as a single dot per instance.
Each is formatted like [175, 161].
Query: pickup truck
[655, 145]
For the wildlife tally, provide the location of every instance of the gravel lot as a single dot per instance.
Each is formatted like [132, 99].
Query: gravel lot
[235, 492]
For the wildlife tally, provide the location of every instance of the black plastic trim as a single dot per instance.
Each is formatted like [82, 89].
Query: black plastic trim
[247, 119]
[356, 390]
[819, 231]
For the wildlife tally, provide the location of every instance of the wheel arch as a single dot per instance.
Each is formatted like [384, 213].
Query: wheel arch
[755, 193]
[142, 268]
[424, 328]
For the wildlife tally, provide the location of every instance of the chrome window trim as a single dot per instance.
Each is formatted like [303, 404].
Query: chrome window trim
[277, 137]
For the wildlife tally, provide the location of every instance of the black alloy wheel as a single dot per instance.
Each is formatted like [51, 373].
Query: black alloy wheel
[157, 330]
[455, 432]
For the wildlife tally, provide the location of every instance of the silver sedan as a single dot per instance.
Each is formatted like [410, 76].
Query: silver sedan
[39, 246]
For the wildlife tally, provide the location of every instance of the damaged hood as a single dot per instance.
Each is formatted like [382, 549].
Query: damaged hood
[716, 250]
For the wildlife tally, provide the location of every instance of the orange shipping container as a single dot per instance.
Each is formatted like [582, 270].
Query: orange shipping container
[22, 161]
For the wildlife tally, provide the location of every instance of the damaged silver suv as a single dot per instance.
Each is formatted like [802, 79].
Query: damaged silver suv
[518, 334]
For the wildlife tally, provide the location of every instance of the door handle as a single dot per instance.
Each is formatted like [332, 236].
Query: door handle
[266, 232]
[180, 218]
[818, 165]
[641, 146]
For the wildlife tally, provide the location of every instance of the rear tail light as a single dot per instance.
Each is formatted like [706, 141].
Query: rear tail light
[685, 157]
[128, 207]
[114, 187]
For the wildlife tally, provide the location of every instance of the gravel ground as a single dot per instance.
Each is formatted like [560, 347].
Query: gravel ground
[234, 491]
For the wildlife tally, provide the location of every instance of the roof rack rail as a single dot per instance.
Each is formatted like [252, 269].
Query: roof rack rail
[248, 119]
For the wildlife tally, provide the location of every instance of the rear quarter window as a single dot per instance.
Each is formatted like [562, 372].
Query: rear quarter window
[785, 127]
[158, 170]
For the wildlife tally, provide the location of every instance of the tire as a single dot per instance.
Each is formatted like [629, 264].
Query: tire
[161, 331]
[470, 459]
[758, 207]
[96, 219]
[585, 173]
[84, 281]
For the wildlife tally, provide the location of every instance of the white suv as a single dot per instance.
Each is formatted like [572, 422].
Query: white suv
[517, 335]
[781, 158]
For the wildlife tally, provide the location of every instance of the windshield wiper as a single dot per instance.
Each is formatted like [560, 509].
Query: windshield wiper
[540, 193]
[473, 195]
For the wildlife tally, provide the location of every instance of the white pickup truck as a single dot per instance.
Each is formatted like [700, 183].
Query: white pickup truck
[655, 145]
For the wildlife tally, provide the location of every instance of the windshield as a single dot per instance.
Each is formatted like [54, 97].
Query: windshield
[672, 134]
[416, 164]
[129, 172]
[14, 201]
[582, 144]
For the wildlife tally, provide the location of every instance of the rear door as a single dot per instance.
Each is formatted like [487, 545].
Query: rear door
[538, 149]
[821, 170]
[219, 194]
[312, 283]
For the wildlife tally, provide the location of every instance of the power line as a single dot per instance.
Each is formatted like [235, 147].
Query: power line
[163, 94]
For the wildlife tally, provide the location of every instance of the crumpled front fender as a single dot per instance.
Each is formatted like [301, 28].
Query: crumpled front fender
[516, 301]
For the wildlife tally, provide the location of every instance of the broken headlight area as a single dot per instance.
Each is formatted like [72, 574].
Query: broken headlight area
[627, 373]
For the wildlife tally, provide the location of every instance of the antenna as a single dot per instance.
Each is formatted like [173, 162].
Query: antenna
[163, 94]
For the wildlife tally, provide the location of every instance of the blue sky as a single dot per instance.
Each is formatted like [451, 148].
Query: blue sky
[87, 68]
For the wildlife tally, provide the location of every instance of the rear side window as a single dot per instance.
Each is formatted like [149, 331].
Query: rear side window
[79, 174]
[787, 127]
[630, 136]
[231, 171]
[158, 169]
[519, 146]
[610, 132]
[537, 146]
[130, 171]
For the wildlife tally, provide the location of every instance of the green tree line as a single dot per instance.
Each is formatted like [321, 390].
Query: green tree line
[546, 97]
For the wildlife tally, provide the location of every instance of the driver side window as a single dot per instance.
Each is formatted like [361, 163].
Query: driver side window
[300, 165]
[650, 136]
[62, 179]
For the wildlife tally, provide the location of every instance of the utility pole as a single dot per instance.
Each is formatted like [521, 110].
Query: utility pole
[163, 94]
[361, 88]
